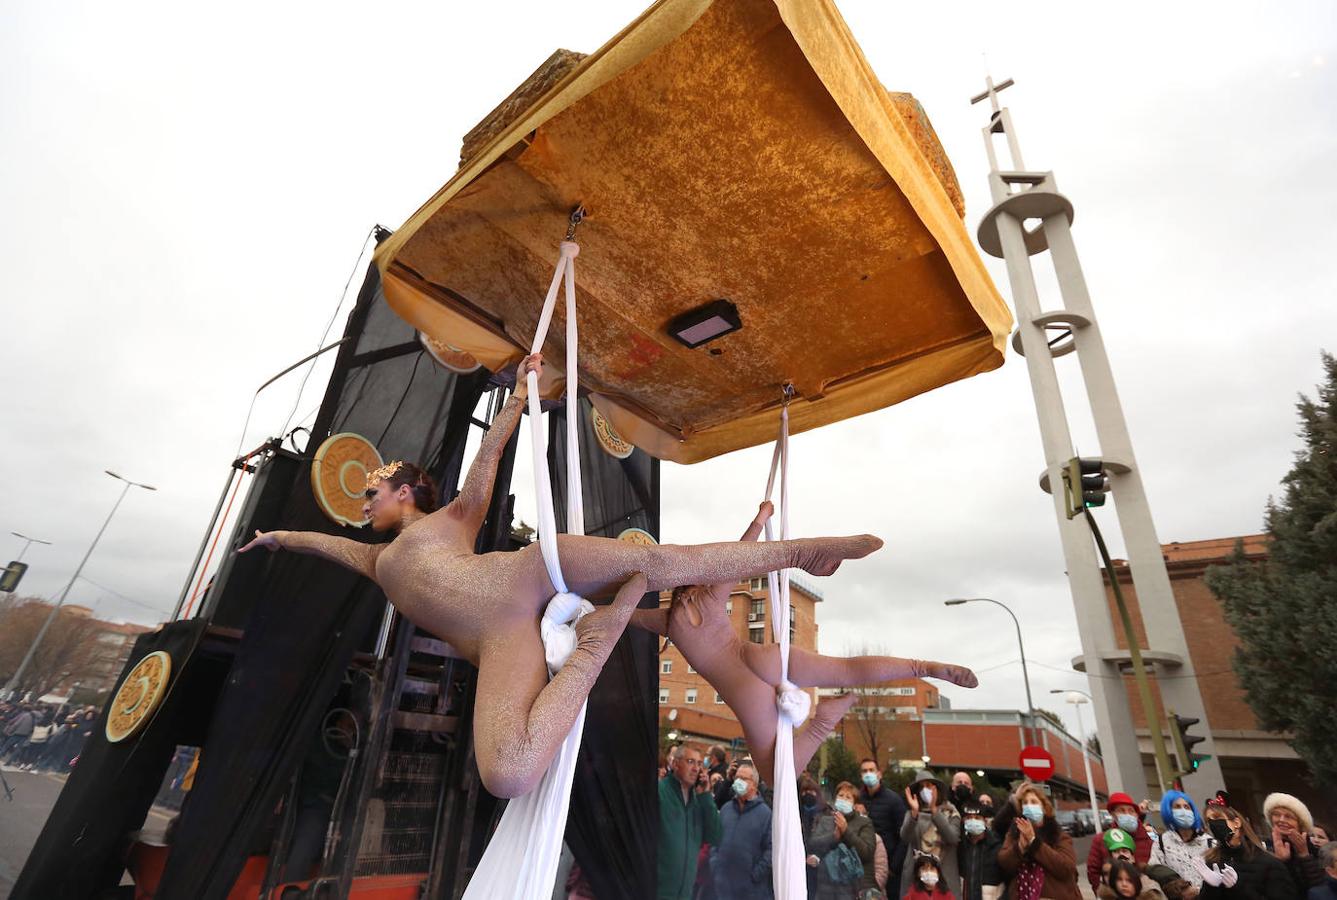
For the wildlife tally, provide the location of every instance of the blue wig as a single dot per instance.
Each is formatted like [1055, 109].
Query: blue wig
[1167, 815]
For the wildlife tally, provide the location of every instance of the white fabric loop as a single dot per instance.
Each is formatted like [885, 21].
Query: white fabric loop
[558, 628]
[793, 704]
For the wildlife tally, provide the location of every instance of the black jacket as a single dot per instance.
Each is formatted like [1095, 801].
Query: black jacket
[1305, 871]
[978, 864]
[887, 810]
[1261, 877]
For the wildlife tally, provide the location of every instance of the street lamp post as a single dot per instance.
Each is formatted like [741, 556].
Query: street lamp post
[28, 542]
[1026, 676]
[1077, 698]
[51, 617]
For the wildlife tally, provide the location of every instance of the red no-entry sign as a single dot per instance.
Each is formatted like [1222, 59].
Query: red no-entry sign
[1037, 763]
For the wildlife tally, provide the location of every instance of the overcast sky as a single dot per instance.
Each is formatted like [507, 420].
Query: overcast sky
[185, 192]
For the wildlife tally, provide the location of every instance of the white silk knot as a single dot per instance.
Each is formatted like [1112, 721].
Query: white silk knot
[570, 249]
[558, 627]
[793, 704]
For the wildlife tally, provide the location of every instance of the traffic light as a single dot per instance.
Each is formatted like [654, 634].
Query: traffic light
[11, 575]
[1185, 742]
[1085, 484]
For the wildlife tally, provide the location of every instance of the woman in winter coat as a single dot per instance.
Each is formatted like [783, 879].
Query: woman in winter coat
[1185, 838]
[1289, 842]
[839, 825]
[1237, 867]
[1037, 854]
[932, 827]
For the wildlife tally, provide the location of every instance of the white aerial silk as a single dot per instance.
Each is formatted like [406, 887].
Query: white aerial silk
[520, 862]
[788, 873]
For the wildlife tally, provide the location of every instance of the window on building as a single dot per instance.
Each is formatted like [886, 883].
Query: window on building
[663, 696]
[728, 607]
[756, 635]
[793, 622]
[718, 699]
[666, 667]
[691, 695]
[758, 611]
[757, 584]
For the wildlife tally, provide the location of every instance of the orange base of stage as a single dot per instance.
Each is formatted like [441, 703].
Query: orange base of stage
[146, 863]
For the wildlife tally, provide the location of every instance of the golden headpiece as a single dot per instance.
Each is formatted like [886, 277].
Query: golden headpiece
[375, 476]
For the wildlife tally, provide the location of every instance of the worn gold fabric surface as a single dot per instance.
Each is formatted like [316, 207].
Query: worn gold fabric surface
[739, 149]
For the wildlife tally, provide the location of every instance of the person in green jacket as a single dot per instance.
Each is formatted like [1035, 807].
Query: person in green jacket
[687, 819]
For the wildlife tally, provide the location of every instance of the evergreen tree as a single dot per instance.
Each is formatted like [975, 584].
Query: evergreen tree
[1284, 610]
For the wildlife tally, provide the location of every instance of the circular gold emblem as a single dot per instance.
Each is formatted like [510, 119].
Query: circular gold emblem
[612, 442]
[637, 536]
[339, 476]
[139, 696]
[448, 356]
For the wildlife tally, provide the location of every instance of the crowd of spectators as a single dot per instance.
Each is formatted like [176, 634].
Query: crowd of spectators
[868, 842]
[42, 737]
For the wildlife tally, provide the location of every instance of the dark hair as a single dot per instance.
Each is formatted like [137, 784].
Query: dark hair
[867, 759]
[419, 482]
[923, 861]
[1120, 866]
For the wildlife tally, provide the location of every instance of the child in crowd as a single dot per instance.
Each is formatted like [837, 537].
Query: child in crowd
[927, 882]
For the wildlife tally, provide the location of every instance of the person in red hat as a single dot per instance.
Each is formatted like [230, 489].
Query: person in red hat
[1128, 817]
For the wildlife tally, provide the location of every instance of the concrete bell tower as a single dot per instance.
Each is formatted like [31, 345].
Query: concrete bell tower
[1043, 335]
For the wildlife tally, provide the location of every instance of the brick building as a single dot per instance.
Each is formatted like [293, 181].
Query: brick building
[1253, 761]
[108, 649]
[687, 702]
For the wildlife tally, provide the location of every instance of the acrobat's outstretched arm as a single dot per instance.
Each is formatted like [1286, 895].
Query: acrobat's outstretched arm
[471, 505]
[359, 557]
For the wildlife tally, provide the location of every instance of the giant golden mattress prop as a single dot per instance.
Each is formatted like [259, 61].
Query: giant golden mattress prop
[736, 149]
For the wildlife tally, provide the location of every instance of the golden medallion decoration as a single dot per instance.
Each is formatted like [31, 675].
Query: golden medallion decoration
[448, 356]
[637, 536]
[339, 476]
[612, 442]
[139, 696]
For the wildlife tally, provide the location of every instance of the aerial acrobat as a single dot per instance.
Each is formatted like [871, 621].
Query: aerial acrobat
[488, 605]
[747, 675]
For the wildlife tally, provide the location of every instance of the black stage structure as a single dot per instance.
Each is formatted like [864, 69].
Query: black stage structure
[335, 737]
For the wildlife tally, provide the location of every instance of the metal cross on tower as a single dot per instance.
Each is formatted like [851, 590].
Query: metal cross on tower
[1019, 196]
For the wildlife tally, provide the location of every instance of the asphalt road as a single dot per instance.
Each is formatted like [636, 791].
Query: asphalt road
[22, 818]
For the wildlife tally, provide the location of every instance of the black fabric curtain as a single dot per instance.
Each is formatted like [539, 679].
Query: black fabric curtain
[81, 848]
[311, 616]
[613, 826]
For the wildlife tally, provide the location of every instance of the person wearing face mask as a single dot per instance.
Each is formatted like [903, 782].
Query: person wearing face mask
[1127, 817]
[1289, 841]
[886, 809]
[841, 849]
[1185, 839]
[1237, 867]
[963, 789]
[740, 865]
[1119, 843]
[977, 857]
[1037, 854]
[1327, 857]
[811, 807]
[932, 827]
[928, 883]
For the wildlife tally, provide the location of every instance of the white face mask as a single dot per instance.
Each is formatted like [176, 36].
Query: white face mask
[926, 795]
[929, 878]
[843, 806]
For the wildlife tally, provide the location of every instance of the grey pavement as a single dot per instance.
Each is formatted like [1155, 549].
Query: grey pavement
[22, 818]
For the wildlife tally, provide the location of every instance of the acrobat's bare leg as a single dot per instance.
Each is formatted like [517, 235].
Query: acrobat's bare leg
[592, 565]
[824, 719]
[654, 621]
[808, 669]
[522, 718]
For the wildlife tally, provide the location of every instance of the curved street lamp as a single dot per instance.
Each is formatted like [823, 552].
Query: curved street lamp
[51, 617]
[1077, 698]
[1030, 705]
